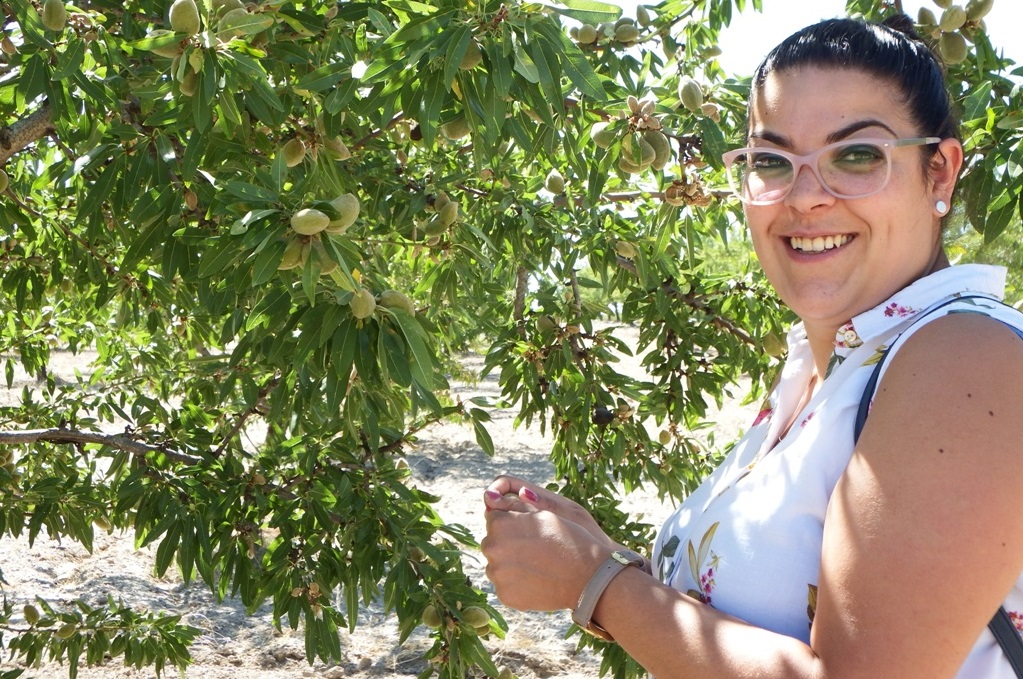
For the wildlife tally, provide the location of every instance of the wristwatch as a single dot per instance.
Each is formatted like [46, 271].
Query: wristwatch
[616, 563]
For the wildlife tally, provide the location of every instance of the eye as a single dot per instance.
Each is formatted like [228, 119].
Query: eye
[858, 154]
[767, 162]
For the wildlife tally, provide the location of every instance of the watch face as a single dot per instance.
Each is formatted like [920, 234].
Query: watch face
[626, 558]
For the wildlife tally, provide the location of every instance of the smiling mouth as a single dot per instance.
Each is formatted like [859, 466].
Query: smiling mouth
[819, 244]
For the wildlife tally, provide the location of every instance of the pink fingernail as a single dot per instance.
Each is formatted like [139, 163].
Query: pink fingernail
[528, 494]
[493, 495]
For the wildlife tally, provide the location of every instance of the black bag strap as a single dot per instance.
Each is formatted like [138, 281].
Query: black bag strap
[1001, 625]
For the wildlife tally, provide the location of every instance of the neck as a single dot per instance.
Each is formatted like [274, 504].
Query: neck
[822, 337]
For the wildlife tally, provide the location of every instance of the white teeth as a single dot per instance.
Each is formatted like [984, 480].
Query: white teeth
[819, 244]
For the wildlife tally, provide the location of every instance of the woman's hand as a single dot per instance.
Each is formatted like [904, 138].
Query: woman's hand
[512, 494]
[539, 560]
[541, 548]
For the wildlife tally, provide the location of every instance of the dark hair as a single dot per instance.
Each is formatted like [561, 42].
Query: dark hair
[890, 51]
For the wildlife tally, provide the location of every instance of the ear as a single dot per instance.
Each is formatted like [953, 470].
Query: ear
[944, 169]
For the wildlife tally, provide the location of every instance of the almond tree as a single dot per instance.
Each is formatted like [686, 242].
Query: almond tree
[295, 214]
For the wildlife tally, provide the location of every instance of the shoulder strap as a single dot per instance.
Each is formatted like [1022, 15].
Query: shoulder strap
[1009, 639]
[868, 392]
[1001, 625]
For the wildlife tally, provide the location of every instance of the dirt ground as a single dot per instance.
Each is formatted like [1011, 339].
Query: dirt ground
[448, 463]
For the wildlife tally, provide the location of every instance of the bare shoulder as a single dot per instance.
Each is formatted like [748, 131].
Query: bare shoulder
[928, 502]
[949, 407]
[963, 365]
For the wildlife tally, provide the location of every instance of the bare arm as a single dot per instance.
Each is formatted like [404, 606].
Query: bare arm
[920, 545]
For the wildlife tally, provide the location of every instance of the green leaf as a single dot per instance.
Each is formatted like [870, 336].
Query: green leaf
[714, 144]
[500, 68]
[152, 42]
[524, 65]
[396, 363]
[310, 278]
[458, 43]
[432, 102]
[586, 11]
[221, 257]
[977, 102]
[577, 66]
[421, 27]
[250, 192]
[483, 438]
[146, 242]
[260, 94]
[324, 77]
[34, 77]
[251, 217]
[1000, 218]
[422, 359]
[70, 61]
[346, 340]
[206, 92]
[264, 267]
[250, 24]
[340, 96]
[168, 547]
[229, 108]
[549, 71]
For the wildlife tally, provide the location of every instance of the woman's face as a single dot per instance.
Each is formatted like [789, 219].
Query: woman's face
[875, 245]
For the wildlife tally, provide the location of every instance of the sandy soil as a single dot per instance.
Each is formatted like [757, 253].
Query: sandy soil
[448, 463]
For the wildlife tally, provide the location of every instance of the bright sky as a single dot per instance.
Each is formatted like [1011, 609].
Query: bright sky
[752, 34]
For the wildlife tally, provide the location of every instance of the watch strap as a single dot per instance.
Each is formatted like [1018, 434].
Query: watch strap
[615, 564]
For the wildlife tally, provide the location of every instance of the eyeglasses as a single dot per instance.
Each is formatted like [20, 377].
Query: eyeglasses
[854, 168]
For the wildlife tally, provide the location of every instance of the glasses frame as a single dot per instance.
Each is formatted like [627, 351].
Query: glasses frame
[811, 160]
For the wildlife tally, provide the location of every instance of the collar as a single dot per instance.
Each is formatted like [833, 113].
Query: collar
[916, 298]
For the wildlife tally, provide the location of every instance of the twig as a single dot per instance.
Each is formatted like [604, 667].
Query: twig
[521, 286]
[695, 302]
[244, 416]
[578, 350]
[399, 116]
[479, 193]
[577, 297]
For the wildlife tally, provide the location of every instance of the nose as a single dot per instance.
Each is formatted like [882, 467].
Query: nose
[808, 191]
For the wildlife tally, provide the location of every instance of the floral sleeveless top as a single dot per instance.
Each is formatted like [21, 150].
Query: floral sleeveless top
[748, 540]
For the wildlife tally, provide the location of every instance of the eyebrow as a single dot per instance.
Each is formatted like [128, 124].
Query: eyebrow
[837, 135]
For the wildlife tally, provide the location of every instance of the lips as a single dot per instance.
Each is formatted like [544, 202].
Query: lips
[819, 243]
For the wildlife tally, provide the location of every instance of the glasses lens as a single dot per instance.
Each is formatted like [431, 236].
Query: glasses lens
[854, 169]
[760, 176]
[849, 170]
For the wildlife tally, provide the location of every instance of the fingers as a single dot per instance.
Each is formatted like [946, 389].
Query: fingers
[509, 493]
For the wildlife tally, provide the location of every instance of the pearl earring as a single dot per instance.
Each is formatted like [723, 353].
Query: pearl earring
[941, 206]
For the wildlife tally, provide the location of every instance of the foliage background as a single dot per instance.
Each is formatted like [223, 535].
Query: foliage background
[148, 214]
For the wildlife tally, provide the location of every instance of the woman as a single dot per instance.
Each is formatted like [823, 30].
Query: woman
[806, 554]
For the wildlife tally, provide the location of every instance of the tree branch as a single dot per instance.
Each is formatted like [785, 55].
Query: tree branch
[25, 131]
[358, 144]
[118, 441]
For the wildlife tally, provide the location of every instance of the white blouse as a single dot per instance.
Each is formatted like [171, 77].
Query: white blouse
[748, 540]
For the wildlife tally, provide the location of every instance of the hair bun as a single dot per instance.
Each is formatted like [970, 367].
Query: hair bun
[902, 23]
